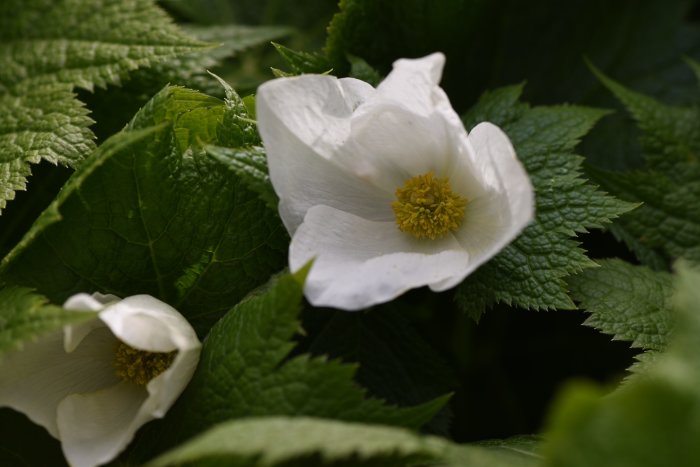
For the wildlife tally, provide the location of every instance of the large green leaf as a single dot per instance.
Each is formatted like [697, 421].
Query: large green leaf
[667, 226]
[49, 47]
[114, 106]
[302, 441]
[530, 272]
[153, 213]
[250, 165]
[631, 303]
[653, 420]
[271, 441]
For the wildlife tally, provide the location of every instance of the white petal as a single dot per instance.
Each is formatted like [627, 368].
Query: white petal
[359, 263]
[413, 82]
[83, 301]
[301, 121]
[97, 426]
[494, 219]
[146, 323]
[315, 108]
[490, 143]
[164, 389]
[390, 144]
[35, 379]
[356, 92]
[73, 334]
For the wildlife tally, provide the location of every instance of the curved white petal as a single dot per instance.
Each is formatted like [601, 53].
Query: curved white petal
[83, 301]
[390, 144]
[302, 121]
[96, 426]
[35, 379]
[413, 83]
[164, 389]
[315, 108]
[490, 143]
[359, 263]
[356, 92]
[73, 334]
[146, 323]
[495, 218]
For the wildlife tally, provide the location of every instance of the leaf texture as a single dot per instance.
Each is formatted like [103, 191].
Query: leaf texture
[530, 272]
[47, 48]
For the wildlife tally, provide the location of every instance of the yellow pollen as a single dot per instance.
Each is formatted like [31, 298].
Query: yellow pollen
[139, 366]
[426, 207]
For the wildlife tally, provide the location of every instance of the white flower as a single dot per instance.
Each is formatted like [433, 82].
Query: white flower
[383, 187]
[94, 384]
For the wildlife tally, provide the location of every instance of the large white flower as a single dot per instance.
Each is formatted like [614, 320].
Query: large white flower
[94, 384]
[383, 187]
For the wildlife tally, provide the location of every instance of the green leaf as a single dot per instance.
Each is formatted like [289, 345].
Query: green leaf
[490, 44]
[25, 316]
[151, 212]
[243, 155]
[667, 226]
[276, 441]
[360, 69]
[631, 303]
[235, 38]
[530, 272]
[245, 370]
[303, 62]
[669, 134]
[112, 107]
[651, 421]
[271, 441]
[237, 128]
[519, 451]
[394, 362]
[47, 49]
[45, 122]
[250, 165]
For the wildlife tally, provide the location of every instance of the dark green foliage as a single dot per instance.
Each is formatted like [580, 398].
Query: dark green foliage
[243, 373]
[530, 272]
[667, 225]
[48, 48]
[151, 212]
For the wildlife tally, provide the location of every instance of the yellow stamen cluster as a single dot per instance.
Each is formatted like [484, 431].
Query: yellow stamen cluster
[139, 366]
[426, 207]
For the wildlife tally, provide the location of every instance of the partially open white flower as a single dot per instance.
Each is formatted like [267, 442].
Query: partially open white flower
[94, 384]
[383, 187]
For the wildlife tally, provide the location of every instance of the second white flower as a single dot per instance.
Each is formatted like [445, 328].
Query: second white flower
[383, 187]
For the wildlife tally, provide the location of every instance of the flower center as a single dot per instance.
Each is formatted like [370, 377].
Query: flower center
[139, 366]
[426, 207]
